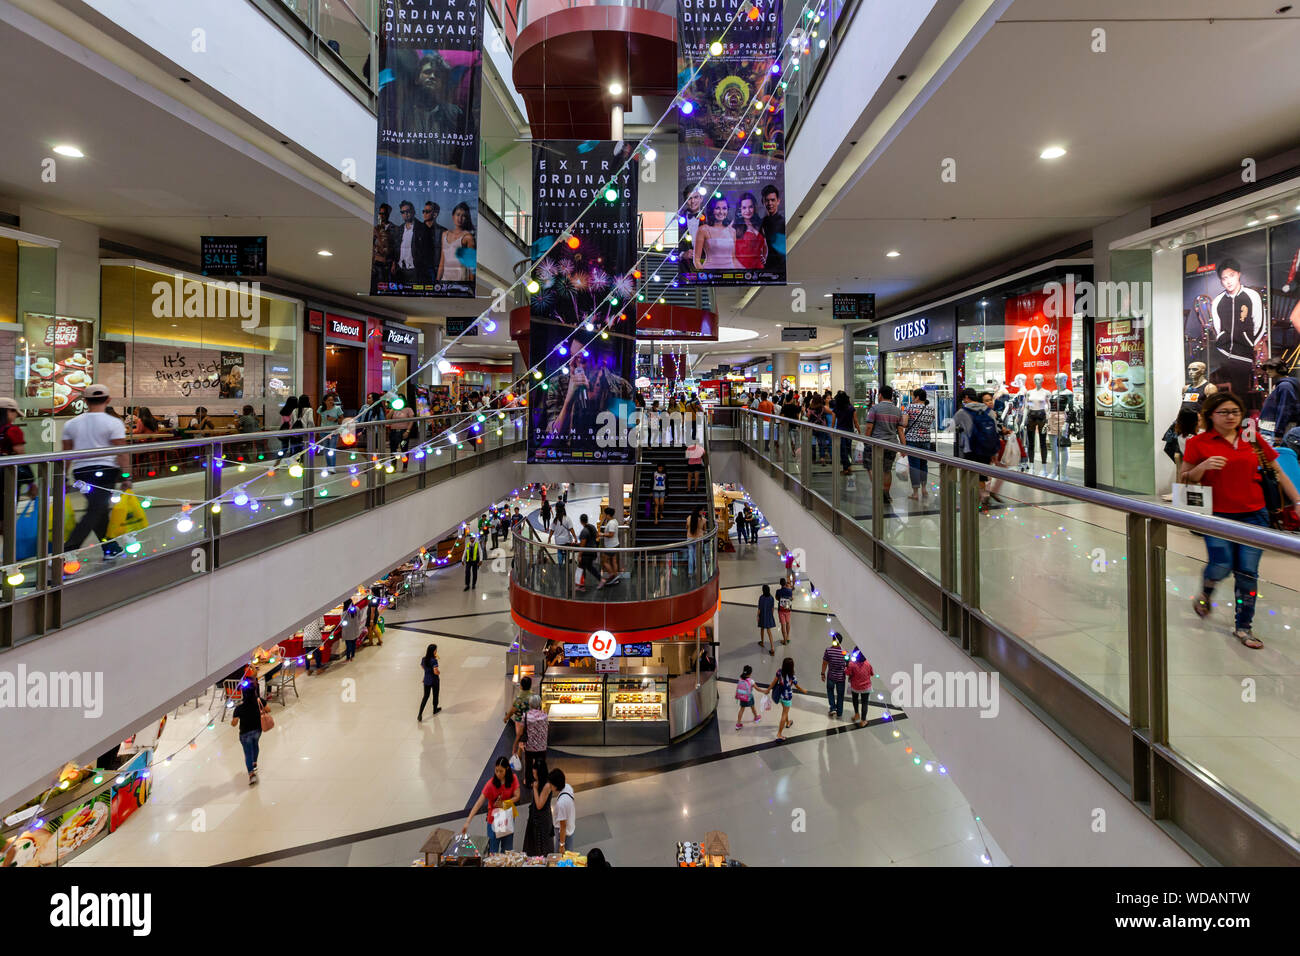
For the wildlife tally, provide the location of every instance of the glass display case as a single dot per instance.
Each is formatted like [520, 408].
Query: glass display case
[636, 706]
[574, 705]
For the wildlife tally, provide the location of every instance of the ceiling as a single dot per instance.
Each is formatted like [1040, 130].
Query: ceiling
[1155, 113]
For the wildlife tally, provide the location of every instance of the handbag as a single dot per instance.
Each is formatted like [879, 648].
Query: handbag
[268, 722]
[1272, 489]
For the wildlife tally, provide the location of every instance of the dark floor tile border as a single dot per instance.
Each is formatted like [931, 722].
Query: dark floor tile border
[446, 617]
[607, 781]
[459, 637]
[808, 693]
[793, 610]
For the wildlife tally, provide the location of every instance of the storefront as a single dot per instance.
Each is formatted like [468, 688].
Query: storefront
[345, 359]
[917, 352]
[814, 374]
[400, 349]
[1194, 305]
[170, 342]
[28, 266]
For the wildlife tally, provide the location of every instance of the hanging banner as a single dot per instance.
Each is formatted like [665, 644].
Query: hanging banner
[578, 411]
[731, 157]
[427, 148]
[1037, 344]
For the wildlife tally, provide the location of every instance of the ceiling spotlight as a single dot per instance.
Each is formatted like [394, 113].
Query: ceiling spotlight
[893, 254]
[324, 252]
[1052, 152]
[616, 89]
[64, 149]
[1271, 213]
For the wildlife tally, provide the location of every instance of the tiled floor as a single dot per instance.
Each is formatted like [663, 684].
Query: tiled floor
[347, 778]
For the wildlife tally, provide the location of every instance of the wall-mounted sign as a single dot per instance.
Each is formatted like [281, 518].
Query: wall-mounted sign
[806, 368]
[459, 326]
[610, 666]
[602, 645]
[344, 329]
[395, 337]
[233, 255]
[824, 367]
[916, 331]
[853, 306]
[315, 320]
[1121, 369]
[798, 334]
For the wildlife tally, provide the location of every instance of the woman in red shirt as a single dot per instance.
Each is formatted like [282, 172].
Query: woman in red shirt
[1225, 460]
[503, 787]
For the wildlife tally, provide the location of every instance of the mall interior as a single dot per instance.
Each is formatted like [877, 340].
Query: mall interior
[913, 407]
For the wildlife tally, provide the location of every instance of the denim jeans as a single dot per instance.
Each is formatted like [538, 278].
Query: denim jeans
[249, 742]
[498, 844]
[102, 479]
[846, 458]
[918, 468]
[835, 696]
[1240, 560]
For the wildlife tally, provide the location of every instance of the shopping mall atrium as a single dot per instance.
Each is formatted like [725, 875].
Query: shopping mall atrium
[650, 434]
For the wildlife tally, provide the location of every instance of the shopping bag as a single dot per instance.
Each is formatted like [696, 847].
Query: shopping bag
[901, 466]
[1198, 498]
[515, 763]
[767, 702]
[126, 516]
[26, 529]
[503, 822]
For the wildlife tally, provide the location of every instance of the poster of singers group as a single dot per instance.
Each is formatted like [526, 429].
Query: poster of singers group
[584, 280]
[427, 148]
[736, 222]
[1241, 307]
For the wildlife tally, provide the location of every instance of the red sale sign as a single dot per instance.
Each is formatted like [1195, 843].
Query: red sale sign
[1036, 343]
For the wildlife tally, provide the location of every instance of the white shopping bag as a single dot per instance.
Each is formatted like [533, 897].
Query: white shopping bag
[767, 702]
[1198, 498]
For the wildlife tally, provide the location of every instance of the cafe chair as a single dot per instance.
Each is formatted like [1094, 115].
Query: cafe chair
[286, 678]
[231, 690]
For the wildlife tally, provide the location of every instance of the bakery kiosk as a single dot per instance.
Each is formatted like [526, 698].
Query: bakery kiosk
[639, 697]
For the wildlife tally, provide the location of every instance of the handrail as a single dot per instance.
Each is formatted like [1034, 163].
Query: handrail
[711, 535]
[1191, 521]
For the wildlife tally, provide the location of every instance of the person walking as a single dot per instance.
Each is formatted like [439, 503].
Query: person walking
[546, 514]
[769, 427]
[784, 605]
[975, 436]
[312, 640]
[695, 530]
[95, 428]
[536, 734]
[589, 542]
[833, 674]
[609, 556]
[885, 420]
[695, 455]
[782, 689]
[918, 432]
[471, 557]
[859, 672]
[1282, 406]
[351, 629]
[432, 680]
[1230, 462]
[248, 717]
[846, 420]
[660, 485]
[745, 696]
[499, 793]
[766, 619]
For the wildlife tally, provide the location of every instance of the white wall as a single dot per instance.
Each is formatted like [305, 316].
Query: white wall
[153, 652]
[1035, 794]
[76, 290]
[252, 62]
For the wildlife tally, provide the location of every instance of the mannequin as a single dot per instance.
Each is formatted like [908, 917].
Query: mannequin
[1036, 400]
[1200, 387]
[1059, 408]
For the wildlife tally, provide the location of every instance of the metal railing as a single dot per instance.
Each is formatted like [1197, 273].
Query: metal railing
[531, 10]
[340, 34]
[192, 501]
[1082, 600]
[646, 573]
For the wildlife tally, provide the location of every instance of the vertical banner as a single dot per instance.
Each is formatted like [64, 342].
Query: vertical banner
[427, 148]
[582, 333]
[1036, 343]
[731, 157]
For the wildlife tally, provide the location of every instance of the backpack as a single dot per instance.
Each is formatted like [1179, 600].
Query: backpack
[745, 689]
[984, 439]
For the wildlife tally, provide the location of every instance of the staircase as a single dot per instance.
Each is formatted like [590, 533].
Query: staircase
[677, 505]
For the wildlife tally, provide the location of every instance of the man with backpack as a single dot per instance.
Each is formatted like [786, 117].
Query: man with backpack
[975, 436]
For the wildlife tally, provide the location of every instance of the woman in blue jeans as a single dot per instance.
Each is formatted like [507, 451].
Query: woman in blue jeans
[248, 714]
[1230, 463]
[846, 420]
[918, 432]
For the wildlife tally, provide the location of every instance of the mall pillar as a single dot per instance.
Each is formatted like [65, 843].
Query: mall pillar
[783, 364]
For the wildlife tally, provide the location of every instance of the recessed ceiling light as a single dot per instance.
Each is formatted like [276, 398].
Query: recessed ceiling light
[616, 89]
[1052, 152]
[1271, 213]
[324, 252]
[64, 149]
[893, 254]
[778, 325]
[826, 295]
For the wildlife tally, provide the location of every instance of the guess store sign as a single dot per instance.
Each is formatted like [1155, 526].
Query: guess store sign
[341, 329]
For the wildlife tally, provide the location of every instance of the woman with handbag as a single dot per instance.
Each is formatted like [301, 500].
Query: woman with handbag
[499, 793]
[252, 718]
[1242, 476]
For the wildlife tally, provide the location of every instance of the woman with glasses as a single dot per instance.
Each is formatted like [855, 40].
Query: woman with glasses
[1228, 459]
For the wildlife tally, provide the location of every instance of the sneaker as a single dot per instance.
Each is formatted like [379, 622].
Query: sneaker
[437, 710]
[830, 713]
[252, 779]
[738, 726]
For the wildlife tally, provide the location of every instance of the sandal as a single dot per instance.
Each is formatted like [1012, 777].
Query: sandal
[1201, 605]
[773, 653]
[1244, 635]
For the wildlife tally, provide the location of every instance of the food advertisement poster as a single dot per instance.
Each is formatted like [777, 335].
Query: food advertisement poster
[55, 362]
[1121, 384]
[59, 839]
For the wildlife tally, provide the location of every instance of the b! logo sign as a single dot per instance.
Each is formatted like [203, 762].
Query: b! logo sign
[602, 645]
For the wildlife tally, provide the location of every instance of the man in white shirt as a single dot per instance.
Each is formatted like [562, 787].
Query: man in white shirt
[564, 810]
[609, 541]
[95, 428]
